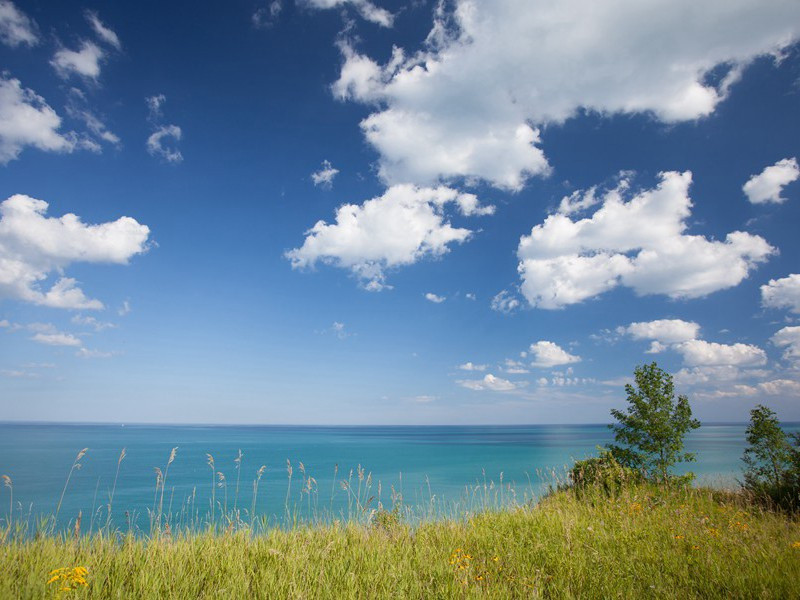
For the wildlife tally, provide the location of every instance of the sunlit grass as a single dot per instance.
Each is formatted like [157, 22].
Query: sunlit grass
[646, 542]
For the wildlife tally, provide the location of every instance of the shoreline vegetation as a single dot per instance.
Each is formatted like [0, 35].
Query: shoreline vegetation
[642, 540]
[620, 524]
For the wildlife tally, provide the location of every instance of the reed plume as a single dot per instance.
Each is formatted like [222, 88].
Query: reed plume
[7, 482]
[113, 490]
[213, 484]
[238, 461]
[75, 465]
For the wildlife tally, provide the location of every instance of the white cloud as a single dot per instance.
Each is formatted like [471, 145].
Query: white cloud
[87, 353]
[789, 338]
[431, 297]
[470, 296]
[504, 302]
[639, 243]
[56, 339]
[84, 62]
[103, 32]
[401, 227]
[27, 120]
[266, 16]
[702, 353]
[16, 27]
[665, 331]
[124, 309]
[324, 177]
[34, 246]
[548, 354]
[493, 71]
[782, 293]
[514, 367]
[469, 366]
[768, 185]
[156, 147]
[491, 383]
[154, 104]
[92, 322]
[780, 387]
[365, 8]
[77, 108]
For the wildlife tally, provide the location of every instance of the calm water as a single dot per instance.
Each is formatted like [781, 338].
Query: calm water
[419, 461]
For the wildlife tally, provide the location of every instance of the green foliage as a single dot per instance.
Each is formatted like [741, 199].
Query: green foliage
[772, 462]
[650, 434]
[603, 472]
[648, 542]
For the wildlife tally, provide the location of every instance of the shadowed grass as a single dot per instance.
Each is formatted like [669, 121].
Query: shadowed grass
[645, 542]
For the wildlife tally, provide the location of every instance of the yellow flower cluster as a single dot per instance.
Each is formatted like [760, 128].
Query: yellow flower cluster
[796, 545]
[69, 579]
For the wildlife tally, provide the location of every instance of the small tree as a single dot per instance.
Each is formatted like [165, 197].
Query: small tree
[768, 453]
[650, 434]
[772, 460]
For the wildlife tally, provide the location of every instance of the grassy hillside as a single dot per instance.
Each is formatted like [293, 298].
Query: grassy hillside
[647, 542]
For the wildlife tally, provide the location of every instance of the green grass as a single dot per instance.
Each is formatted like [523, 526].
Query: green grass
[646, 543]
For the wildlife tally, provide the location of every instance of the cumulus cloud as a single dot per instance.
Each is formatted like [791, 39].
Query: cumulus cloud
[782, 293]
[33, 246]
[665, 331]
[768, 185]
[84, 62]
[27, 120]
[401, 227]
[16, 27]
[789, 338]
[324, 177]
[156, 146]
[548, 354]
[639, 243]
[709, 354]
[431, 297]
[491, 383]
[470, 103]
[102, 31]
[365, 8]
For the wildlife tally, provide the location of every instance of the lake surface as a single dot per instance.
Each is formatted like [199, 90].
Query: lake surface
[454, 468]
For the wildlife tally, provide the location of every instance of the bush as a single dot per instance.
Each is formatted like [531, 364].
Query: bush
[604, 473]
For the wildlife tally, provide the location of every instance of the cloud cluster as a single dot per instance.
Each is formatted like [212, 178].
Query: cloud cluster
[768, 185]
[470, 104]
[86, 60]
[639, 243]
[16, 28]
[491, 383]
[404, 225]
[435, 298]
[366, 9]
[782, 293]
[34, 246]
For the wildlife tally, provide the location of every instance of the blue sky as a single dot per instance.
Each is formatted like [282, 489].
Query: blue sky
[339, 211]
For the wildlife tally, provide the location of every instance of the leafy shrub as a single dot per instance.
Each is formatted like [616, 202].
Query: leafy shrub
[603, 472]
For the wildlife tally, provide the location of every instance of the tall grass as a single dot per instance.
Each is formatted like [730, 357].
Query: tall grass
[644, 542]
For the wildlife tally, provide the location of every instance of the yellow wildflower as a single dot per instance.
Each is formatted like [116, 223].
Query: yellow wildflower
[69, 579]
[796, 545]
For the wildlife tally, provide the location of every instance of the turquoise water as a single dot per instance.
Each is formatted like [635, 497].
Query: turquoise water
[449, 464]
